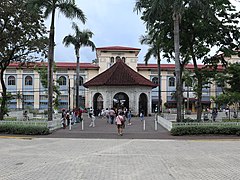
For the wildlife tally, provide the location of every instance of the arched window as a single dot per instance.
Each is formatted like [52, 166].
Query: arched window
[124, 59]
[111, 59]
[11, 80]
[155, 80]
[62, 81]
[118, 58]
[28, 81]
[80, 81]
[171, 81]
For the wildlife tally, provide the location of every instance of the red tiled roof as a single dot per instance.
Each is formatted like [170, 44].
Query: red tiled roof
[170, 66]
[118, 48]
[119, 74]
[65, 65]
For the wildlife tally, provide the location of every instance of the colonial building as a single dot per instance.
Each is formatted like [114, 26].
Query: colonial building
[120, 87]
[115, 78]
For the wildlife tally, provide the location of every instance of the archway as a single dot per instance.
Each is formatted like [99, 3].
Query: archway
[143, 104]
[97, 103]
[120, 101]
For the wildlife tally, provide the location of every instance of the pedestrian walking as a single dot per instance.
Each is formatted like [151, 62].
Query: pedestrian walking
[129, 117]
[141, 116]
[107, 115]
[112, 115]
[92, 124]
[68, 117]
[120, 122]
[227, 111]
[90, 112]
[63, 119]
[214, 114]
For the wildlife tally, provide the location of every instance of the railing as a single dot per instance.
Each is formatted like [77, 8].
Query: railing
[167, 124]
[206, 124]
[164, 122]
[36, 123]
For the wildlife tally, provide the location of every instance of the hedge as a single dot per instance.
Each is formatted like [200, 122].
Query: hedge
[24, 129]
[197, 130]
[230, 120]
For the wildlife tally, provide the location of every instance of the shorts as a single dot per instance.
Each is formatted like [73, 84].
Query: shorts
[119, 126]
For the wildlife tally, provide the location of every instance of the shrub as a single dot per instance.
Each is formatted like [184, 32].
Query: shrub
[24, 129]
[230, 120]
[10, 118]
[198, 129]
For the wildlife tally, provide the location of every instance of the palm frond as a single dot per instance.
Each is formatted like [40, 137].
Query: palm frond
[70, 10]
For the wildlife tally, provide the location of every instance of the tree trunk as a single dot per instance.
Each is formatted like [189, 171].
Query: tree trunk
[199, 97]
[199, 85]
[77, 78]
[50, 68]
[177, 66]
[4, 96]
[159, 85]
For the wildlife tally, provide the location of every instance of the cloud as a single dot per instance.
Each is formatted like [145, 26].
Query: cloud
[112, 22]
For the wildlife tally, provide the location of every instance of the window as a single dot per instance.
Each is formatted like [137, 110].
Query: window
[112, 60]
[62, 81]
[171, 81]
[28, 81]
[118, 58]
[80, 81]
[124, 59]
[28, 97]
[155, 80]
[11, 80]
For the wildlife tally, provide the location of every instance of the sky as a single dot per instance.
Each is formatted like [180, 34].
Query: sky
[113, 23]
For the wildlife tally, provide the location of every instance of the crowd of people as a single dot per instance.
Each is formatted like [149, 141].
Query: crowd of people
[71, 117]
[120, 117]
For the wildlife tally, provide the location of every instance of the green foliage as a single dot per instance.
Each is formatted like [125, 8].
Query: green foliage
[7, 118]
[22, 36]
[43, 72]
[231, 82]
[203, 26]
[231, 120]
[23, 129]
[197, 130]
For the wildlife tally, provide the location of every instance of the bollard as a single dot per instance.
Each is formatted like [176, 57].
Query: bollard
[144, 125]
[156, 124]
[82, 125]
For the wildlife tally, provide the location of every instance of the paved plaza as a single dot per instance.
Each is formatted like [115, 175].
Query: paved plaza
[118, 159]
[100, 154]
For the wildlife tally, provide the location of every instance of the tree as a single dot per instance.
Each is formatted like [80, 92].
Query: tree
[231, 89]
[154, 42]
[21, 35]
[42, 71]
[70, 10]
[78, 40]
[204, 25]
[153, 12]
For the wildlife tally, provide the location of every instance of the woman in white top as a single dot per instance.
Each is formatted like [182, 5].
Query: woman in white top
[120, 123]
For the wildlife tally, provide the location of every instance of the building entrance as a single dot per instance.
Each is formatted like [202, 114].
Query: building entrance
[121, 100]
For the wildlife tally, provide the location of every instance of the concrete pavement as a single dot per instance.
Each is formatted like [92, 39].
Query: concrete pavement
[100, 154]
[118, 159]
[104, 130]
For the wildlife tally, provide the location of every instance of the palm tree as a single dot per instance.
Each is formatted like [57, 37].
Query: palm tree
[78, 40]
[154, 10]
[70, 10]
[154, 50]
